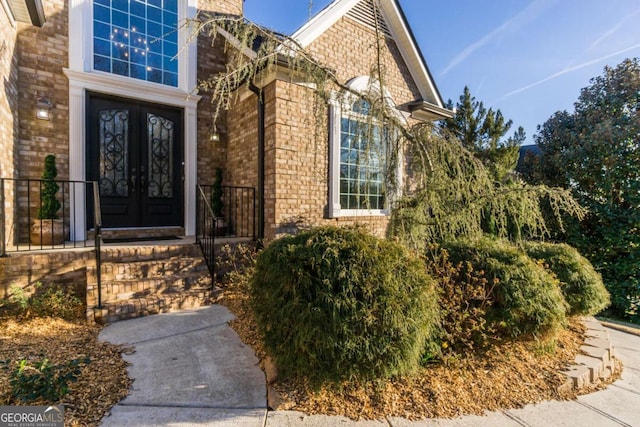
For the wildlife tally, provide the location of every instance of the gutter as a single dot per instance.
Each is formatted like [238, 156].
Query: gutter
[261, 144]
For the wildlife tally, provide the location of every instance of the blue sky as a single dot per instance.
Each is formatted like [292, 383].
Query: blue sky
[528, 58]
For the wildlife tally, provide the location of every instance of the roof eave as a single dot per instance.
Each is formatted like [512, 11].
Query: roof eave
[400, 30]
[426, 111]
[28, 11]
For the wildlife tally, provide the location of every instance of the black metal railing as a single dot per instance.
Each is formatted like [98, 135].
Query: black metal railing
[205, 224]
[234, 210]
[234, 216]
[23, 229]
[97, 231]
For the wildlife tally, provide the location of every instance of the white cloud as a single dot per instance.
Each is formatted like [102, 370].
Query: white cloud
[525, 16]
[569, 70]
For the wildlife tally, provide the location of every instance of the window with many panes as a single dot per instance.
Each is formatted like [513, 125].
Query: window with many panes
[363, 145]
[137, 38]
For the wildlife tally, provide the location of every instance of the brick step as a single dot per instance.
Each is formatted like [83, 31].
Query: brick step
[153, 304]
[148, 253]
[138, 288]
[148, 279]
[150, 269]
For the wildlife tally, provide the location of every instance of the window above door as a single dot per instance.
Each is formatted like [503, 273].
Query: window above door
[143, 44]
[137, 39]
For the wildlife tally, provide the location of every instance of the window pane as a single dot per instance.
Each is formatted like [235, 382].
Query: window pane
[362, 159]
[102, 47]
[154, 14]
[127, 32]
[101, 63]
[101, 14]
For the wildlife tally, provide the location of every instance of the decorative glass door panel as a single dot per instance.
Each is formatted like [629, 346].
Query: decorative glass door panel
[113, 141]
[160, 141]
[135, 153]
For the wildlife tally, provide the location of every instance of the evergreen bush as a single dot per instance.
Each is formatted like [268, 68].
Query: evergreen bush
[49, 204]
[581, 284]
[335, 303]
[526, 298]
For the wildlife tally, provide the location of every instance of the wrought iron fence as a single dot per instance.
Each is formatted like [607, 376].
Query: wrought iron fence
[38, 215]
[30, 221]
[223, 212]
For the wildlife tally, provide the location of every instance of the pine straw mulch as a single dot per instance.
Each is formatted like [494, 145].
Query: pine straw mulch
[510, 375]
[101, 384]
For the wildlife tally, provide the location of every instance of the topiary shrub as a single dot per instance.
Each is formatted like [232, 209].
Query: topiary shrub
[337, 303]
[49, 204]
[581, 284]
[526, 298]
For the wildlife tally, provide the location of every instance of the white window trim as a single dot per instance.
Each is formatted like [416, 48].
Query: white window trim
[338, 104]
[82, 78]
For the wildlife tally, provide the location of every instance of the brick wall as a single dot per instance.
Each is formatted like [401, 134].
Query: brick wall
[232, 7]
[212, 60]
[42, 54]
[67, 269]
[9, 95]
[350, 49]
[8, 108]
[298, 189]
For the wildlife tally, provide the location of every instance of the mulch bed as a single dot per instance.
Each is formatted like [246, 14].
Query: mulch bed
[510, 375]
[101, 384]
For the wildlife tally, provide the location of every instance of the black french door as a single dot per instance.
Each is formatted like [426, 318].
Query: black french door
[135, 152]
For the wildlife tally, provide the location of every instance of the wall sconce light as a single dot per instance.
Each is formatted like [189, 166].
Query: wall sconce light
[214, 136]
[43, 109]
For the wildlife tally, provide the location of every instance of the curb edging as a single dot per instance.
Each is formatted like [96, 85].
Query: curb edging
[596, 361]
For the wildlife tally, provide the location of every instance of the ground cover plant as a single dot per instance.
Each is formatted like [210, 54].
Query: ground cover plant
[50, 354]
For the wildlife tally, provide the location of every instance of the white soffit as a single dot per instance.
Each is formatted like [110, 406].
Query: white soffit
[28, 11]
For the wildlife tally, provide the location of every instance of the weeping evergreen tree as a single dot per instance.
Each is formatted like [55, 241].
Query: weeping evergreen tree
[455, 196]
[456, 172]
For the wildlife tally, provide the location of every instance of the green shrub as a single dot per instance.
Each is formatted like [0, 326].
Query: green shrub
[49, 204]
[46, 301]
[335, 303]
[33, 381]
[464, 301]
[580, 283]
[526, 297]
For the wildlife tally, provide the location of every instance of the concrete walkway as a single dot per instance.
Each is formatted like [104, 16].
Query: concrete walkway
[191, 369]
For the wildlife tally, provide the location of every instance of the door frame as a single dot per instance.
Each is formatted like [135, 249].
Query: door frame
[140, 202]
[82, 82]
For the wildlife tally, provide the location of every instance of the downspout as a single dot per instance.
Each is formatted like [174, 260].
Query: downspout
[261, 143]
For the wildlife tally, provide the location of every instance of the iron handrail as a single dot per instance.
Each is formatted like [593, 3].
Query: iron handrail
[205, 224]
[97, 224]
